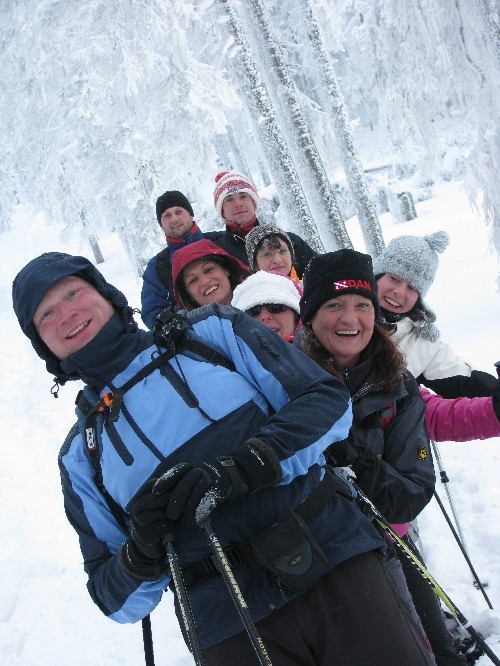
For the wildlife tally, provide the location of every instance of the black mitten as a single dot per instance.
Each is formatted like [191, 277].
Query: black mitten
[496, 398]
[194, 490]
[341, 454]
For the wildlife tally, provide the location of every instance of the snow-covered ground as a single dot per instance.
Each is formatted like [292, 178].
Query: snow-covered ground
[46, 615]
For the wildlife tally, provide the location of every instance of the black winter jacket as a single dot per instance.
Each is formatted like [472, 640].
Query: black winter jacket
[398, 473]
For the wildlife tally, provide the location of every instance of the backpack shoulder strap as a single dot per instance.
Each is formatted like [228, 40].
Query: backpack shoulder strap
[163, 268]
[113, 401]
[92, 446]
[207, 353]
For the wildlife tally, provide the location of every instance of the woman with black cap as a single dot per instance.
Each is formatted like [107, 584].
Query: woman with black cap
[388, 445]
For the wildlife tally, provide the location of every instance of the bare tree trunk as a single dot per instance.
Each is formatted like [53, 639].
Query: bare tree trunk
[94, 244]
[368, 219]
[327, 203]
[239, 155]
[271, 136]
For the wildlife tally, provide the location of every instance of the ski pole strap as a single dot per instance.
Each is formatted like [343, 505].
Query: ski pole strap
[239, 553]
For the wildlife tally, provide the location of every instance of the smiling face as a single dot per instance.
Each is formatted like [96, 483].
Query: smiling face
[344, 326]
[176, 222]
[274, 256]
[283, 323]
[70, 315]
[395, 294]
[207, 282]
[238, 208]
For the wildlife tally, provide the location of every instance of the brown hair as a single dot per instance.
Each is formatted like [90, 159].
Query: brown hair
[388, 362]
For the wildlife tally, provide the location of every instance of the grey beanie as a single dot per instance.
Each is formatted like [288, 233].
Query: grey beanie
[413, 259]
[258, 234]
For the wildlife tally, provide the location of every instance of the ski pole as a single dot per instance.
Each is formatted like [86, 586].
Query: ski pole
[445, 480]
[382, 522]
[477, 582]
[458, 534]
[185, 606]
[147, 637]
[237, 596]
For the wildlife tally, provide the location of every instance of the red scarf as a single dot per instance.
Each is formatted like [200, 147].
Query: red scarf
[241, 230]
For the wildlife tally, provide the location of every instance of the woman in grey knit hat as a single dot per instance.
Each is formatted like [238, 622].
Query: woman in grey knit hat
[405, 272]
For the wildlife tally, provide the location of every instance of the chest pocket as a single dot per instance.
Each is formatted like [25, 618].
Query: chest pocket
[369, 433]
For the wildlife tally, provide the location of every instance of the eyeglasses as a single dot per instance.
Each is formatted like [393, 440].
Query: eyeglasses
[273, 308]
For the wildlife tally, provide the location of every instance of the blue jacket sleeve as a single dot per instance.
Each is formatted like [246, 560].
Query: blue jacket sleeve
[155, 296]
[116, 593]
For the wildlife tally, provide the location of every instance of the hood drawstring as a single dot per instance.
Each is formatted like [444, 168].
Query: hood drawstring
[55, 388]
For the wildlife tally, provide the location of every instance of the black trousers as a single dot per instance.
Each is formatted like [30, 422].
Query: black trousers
[354, 616]
[429, 610]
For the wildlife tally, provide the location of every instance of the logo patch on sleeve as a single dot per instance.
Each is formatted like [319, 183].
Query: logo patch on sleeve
[422, 452]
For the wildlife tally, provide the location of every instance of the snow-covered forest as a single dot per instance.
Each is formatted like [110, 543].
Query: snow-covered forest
[345, 113]
[105, 105]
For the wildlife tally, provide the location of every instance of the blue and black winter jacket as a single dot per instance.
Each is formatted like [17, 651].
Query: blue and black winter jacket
[276, 394]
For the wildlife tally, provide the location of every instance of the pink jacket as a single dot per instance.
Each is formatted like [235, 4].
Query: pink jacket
[459, 419]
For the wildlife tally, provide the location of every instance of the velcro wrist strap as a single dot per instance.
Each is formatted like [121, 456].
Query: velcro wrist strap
[259, 463]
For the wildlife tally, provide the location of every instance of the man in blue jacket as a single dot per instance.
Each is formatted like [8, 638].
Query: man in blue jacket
[166, 437]
[175, 216]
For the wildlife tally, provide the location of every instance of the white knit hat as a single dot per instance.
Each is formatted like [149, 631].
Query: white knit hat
[262, 287]
[230, 182]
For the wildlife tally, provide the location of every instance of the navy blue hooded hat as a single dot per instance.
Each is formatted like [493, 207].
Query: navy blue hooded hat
[31, 284]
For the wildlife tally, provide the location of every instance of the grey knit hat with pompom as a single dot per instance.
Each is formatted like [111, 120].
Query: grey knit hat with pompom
[413, 259]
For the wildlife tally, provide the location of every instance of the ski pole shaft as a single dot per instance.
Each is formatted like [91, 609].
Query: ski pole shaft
[445, 480]
[384, 525]
[458, 534]
[147, 637]
[438, 589]
[464, 551]
[185, 606]
[237, 596]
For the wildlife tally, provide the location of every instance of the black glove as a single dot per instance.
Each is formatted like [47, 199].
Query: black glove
[341, 454]
[143, 555]
[496, 398]
[193, 491]
[365, 462]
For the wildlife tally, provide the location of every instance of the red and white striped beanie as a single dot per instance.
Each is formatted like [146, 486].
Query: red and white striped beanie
[230, 182]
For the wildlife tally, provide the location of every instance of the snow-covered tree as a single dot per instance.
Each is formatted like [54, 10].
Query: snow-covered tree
[368, 219]
[320, 192]
[271, 135]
